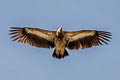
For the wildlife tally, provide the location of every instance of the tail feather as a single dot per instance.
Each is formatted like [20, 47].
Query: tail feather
[60, 55]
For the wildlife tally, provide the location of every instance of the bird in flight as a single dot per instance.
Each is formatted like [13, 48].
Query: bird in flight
[60, 40]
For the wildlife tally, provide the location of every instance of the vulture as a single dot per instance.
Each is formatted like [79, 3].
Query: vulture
[60, 40]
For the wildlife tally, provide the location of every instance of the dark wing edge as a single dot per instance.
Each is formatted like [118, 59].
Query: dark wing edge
[98, 38]
[25, 35]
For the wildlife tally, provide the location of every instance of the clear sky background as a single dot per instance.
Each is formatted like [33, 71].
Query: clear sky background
[23, 62]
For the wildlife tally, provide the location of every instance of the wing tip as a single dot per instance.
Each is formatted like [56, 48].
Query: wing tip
[16, 27]
[104, 36]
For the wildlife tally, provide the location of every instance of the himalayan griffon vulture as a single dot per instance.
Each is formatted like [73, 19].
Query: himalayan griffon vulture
[60, 40]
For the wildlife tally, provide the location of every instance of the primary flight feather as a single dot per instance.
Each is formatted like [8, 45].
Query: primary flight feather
[60, 39]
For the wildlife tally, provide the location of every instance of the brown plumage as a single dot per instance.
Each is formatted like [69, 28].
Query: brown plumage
[60, 39]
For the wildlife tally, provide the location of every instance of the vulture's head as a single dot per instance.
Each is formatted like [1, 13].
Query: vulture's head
[59, 32]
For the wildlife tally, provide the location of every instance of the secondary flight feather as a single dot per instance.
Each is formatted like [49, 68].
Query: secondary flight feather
[60, 40]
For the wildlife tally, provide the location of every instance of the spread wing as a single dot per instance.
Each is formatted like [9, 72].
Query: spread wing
[87, 38]
[33, 36]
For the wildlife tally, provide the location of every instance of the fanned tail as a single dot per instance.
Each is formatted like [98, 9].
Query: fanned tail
[59, 56]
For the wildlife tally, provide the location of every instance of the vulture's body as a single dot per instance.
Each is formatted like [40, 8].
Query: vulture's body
[60, 39]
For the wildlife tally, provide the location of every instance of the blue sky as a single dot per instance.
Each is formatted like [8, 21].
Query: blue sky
[23, 62]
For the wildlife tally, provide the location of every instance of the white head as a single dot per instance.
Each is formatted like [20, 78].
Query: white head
[59, 31]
